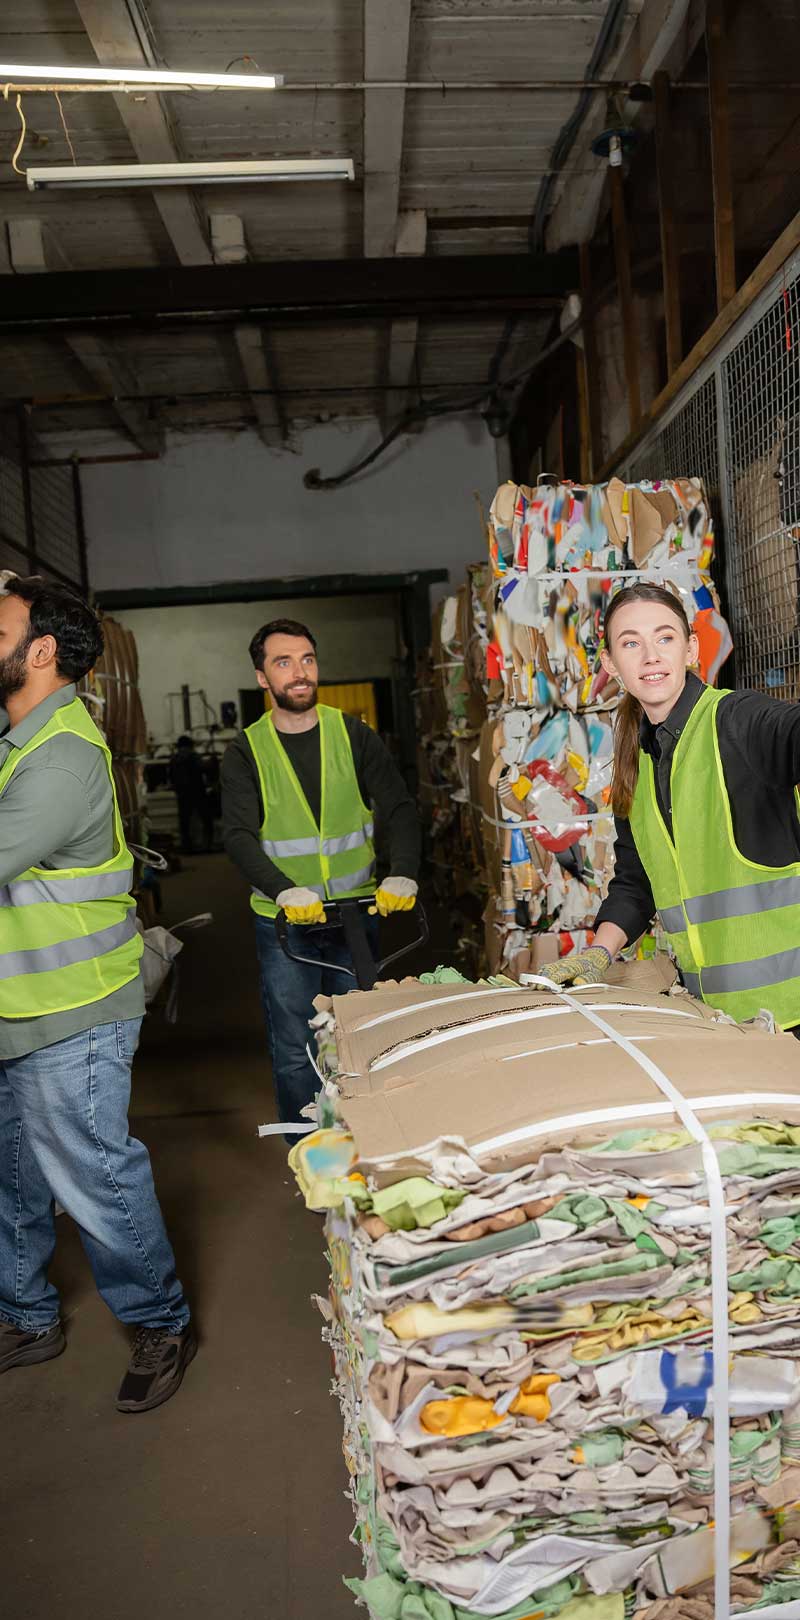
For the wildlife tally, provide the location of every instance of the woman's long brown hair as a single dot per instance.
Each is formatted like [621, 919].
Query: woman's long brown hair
[629, 714]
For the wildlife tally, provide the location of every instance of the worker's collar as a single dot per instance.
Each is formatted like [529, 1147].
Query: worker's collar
[21, 734]
[676, 719]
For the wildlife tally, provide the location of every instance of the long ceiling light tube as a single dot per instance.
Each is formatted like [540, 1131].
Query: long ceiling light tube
[14, 71]
[143, 175]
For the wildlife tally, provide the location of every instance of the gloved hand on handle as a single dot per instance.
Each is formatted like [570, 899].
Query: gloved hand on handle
[583, 967]
[395, 894]
[301, 906]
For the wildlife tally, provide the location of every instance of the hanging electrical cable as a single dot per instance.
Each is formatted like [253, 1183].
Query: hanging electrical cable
[425, 411]
[605, 44]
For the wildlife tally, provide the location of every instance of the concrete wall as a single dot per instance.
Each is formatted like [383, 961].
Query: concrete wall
[222, 506]
[205, 648]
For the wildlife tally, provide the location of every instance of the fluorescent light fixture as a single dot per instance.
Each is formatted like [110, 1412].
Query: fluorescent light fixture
[12, 72]
[97, 177]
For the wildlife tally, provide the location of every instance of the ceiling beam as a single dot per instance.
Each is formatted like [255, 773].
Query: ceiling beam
[119, 37]
[257, 356]
[663, 36]
[253, 344]
[387, 27]
[293, 291]
[32, 250]
[402, 339]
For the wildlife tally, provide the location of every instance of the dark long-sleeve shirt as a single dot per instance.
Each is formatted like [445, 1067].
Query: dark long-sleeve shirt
[379, 781]
[759, 745]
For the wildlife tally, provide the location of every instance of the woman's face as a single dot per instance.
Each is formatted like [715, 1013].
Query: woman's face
[650, 654]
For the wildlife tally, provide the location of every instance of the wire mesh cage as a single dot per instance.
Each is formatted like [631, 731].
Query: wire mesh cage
[736, 425]
[686, 446]
[761, 390]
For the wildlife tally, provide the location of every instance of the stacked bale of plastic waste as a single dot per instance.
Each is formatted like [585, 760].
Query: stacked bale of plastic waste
[521, 1300]
[451, 710]
[558, 553]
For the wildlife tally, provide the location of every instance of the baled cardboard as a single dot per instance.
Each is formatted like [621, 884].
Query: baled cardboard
[422, 1062]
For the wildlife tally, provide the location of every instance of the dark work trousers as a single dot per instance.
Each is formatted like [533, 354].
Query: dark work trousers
[190, 804]
[287, 993]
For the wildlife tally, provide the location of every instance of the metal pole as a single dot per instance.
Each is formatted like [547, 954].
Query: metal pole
[27, 497]
[80, 530]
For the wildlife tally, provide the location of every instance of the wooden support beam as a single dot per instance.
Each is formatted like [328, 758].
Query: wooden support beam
[663, 33]
[591, 359]
[118, 43]
[787, 244]
[387, 25]
[412, 230]
[622, 262]
[252, 342]
[255, 352]
[668, 220]
[33, 250]
[719, 113]
[295, 291]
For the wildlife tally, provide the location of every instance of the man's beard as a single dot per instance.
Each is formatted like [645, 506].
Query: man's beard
[13, 671]
[295, 703]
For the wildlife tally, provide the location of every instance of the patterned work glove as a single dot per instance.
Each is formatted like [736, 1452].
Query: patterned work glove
[583, 967]
[301, 906]
[395, 894]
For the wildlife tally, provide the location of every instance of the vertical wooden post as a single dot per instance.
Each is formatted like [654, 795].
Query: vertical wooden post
[670, 248]
[590, 361]
[719, 114]
[622, 261]
[584, 435]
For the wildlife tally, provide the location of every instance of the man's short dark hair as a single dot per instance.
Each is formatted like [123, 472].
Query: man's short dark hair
[58, 611]
[277, 627]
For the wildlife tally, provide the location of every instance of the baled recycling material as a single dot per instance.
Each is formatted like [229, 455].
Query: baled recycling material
[520, 1305]
[515, 714]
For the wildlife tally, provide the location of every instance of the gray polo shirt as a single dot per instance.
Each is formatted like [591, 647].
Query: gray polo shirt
[57, 811]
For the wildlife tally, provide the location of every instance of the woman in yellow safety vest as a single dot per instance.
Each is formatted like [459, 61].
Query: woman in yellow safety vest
[706, 811]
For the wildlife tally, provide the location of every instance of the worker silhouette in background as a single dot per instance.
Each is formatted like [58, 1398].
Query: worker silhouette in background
[188, 780]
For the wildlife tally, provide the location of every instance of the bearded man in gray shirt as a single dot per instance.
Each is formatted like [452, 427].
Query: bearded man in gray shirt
[71, 1008]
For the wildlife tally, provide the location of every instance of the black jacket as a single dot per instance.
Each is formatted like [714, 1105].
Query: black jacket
[759, 744]
[380, 785]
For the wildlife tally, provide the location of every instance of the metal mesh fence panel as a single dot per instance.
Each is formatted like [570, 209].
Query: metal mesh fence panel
[686, 446]
[761, 383]
[736, 425]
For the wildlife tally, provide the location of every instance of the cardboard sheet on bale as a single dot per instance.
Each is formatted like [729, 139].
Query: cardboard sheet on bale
[421, 1062]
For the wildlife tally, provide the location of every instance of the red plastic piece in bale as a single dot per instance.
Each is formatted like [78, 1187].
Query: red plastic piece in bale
[568, 832]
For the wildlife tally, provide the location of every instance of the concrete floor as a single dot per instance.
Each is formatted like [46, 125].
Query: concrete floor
[228, 1501]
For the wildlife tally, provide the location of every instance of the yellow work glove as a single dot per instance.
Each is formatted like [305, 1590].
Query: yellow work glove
[395, 894]
[583, 967]
[301, 906]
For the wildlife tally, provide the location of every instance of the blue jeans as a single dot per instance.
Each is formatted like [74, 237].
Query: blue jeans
[287, 995]
[64, 1137]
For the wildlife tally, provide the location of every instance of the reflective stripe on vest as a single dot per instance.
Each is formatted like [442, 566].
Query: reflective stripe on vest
[284, 848]
[732, 924]
[83, 949]
[68, 937]
[38, 891]
[337, 858]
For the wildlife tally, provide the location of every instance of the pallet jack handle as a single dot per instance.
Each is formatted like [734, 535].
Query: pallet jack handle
[349, 915]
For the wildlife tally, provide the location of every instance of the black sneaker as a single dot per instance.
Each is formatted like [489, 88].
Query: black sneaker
[159, 1359]
[19, 1348]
